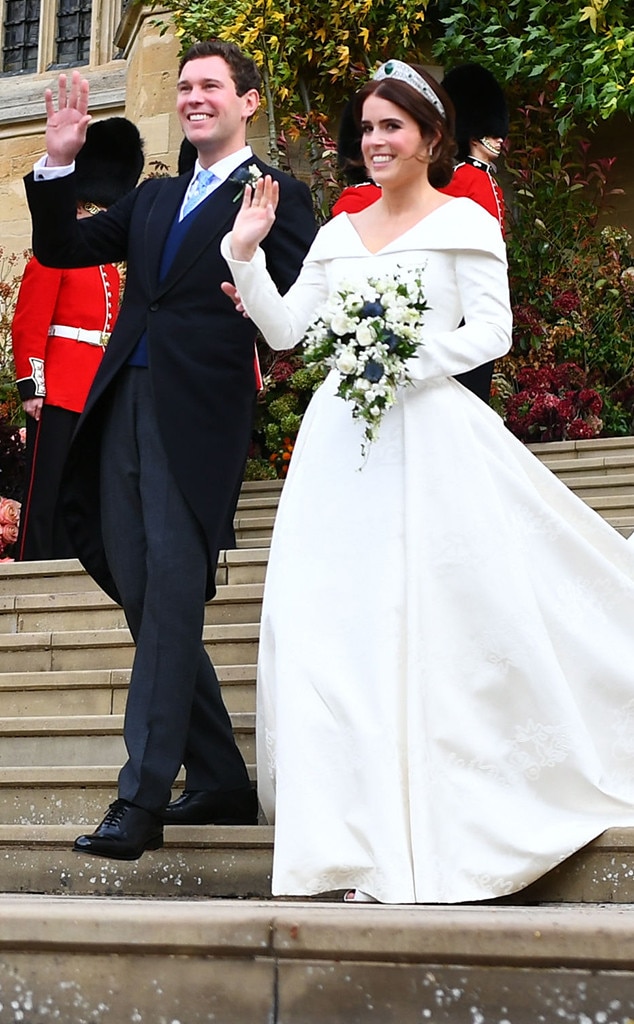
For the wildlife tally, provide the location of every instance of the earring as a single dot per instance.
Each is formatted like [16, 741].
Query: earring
[430, 152]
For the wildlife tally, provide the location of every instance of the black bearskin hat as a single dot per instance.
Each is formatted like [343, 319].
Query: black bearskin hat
[349, 147]
[109, 163]
[187, 156]
[481, 108]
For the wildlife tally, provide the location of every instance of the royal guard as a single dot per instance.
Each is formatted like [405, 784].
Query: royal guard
[62, 322]
[482, 124]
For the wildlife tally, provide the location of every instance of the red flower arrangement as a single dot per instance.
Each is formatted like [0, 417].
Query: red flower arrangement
[566, 302]
[554, 403]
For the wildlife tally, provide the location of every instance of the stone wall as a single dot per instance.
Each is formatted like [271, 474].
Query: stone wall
[614, 138]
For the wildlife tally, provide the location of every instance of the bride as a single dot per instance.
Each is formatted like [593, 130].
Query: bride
[446, 680]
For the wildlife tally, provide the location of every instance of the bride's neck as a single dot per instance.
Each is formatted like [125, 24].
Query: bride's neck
[414, 201]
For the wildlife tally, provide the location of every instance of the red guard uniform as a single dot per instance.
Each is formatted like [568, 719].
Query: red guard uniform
[474, 178]
[356, 197]
[61, 322]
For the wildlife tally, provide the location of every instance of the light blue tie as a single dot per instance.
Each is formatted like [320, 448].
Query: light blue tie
[198, 191]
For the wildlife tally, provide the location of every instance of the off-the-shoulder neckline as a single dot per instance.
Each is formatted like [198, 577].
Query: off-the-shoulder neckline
[403, 234]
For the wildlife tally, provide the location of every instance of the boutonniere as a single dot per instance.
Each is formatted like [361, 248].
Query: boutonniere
[246, 176]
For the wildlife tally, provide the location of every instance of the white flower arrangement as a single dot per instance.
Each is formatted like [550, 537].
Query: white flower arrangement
[366, 332]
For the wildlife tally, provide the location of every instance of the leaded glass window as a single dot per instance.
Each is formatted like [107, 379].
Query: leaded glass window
[21, 30]
[73, 31]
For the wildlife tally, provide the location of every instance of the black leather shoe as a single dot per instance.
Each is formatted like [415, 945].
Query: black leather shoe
[124, 834]
[200, 807]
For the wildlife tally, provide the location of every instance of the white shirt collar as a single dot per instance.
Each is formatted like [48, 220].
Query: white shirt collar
[223, 168]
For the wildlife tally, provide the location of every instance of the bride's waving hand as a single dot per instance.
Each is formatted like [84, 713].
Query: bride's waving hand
[255, 218]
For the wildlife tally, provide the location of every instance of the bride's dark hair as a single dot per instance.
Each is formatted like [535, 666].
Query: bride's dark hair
[428, 119]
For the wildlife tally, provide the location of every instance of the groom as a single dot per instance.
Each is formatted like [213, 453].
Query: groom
[160, 449]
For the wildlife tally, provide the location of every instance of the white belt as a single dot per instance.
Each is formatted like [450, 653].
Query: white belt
[99, 338]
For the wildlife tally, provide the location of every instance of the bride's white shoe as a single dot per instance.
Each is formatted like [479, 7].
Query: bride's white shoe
[358, 896]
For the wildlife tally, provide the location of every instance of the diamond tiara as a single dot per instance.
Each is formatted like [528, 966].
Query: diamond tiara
[404, 73]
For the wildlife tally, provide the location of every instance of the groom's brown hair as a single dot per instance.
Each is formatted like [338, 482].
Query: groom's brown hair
[243, 70]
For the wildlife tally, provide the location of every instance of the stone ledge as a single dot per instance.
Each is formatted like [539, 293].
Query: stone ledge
[22, 107]
[596, 938]
[181, 837]
[574, 449]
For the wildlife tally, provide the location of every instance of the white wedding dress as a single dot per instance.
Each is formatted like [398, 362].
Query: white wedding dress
[446, 672]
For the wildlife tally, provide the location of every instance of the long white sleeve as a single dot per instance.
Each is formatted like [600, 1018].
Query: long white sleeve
[482, 285]
[281, 319]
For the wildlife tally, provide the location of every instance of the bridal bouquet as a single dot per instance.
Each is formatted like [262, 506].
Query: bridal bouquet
[367, 331]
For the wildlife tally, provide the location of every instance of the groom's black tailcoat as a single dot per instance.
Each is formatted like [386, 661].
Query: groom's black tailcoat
[165, 506]
[200, 350]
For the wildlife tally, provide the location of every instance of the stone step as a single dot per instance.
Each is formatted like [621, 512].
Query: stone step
[253, 490]
[82, 960]
[608, 485]
[101, 691]
[64, 575]
[256, 540]
[255, 515]
[617, 510]
[596, 446]
[245, 525]
[622, 524]
[265, 505]
[67, 575]
[220, 861]
[228, 644]
[86, 740]
[91, 610]
[201, 861]
[242, 566]
[600, 472]
[62, 794]
[606, 501]
[599, 465]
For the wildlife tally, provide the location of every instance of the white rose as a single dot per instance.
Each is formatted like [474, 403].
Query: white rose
[346, 362]
[365, 335]
[398, 315]
[341, 324]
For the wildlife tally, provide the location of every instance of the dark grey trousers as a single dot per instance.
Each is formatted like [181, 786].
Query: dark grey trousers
[158, 559]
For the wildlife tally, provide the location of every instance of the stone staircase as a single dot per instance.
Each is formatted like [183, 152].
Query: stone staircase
[188, 933]
[600, 471]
